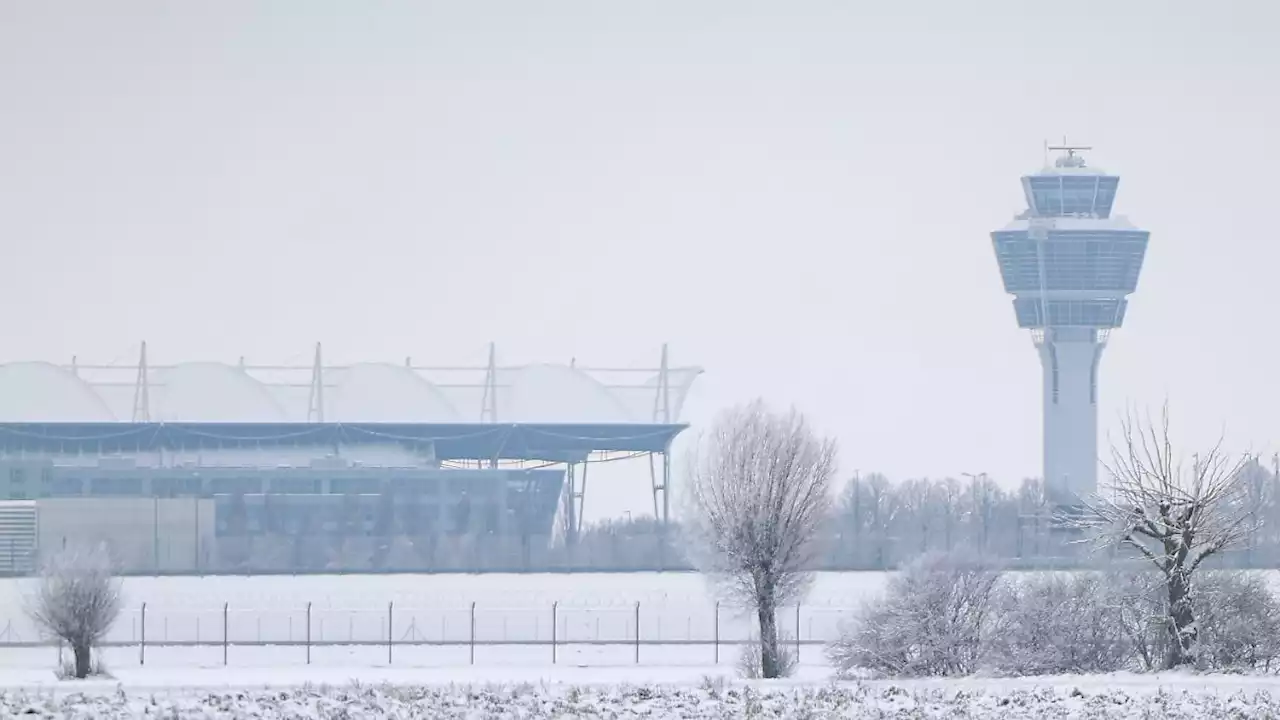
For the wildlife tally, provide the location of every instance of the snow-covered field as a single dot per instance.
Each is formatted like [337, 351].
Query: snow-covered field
[593, 673]
[429, 619]
[1065, 698]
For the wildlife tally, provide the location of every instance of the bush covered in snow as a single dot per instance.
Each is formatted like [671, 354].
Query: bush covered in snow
[946, 615]
[751, 662]
[930, 621]
[1057, 623]
[1239, 620]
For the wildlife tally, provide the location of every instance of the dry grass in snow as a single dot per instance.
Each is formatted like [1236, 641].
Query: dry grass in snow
[714, 699]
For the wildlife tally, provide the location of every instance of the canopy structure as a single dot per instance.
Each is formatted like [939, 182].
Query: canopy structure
[541, 413]
[572, 444]
[561, 443]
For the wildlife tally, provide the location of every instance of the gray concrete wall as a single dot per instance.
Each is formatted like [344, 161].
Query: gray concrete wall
[144, 534]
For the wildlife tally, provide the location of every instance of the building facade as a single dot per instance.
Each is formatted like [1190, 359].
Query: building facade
[185, 517]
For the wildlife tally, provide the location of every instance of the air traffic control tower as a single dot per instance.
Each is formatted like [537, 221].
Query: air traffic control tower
[1070, 265]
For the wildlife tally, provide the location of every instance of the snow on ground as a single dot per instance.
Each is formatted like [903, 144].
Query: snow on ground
[709, 700]
[438, 608]
[276, 666]
[593, 672]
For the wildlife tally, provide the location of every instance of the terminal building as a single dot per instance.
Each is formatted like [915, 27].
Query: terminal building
[397, 481]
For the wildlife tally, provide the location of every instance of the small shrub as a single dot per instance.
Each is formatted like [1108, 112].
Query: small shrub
[1239, 621]
[66, 670]
[751, 662]
[713, 685]
[1139, 600]
[929, 622]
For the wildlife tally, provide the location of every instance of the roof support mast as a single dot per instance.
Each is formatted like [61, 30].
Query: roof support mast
[662, 414]
[489, 403]
[142, 389]
[315, 402]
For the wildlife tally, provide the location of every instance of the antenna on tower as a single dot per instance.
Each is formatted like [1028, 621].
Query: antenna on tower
[1071, 159]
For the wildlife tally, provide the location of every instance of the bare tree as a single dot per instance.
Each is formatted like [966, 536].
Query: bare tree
[882, 510]
[1031, 505]
[77, 599]
[760, 491]
[1174, 516]
[915, 504]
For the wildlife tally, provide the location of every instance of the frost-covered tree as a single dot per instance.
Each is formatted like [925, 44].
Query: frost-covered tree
[77, 599]
[1032, 506]
[1173, 514]
[878, 507]
[929, 621]
[760, 493]
[916, 507]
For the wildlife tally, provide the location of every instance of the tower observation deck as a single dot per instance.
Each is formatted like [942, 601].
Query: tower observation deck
[1070, 265]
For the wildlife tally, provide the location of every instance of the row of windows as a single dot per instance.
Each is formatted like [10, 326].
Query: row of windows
[19, 475]
[1063, 195]
[1089, 313]
[187, 486]
[1110, 266]
[337, 519]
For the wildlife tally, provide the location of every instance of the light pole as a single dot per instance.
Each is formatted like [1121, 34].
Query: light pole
[980, 507]
[155, 533]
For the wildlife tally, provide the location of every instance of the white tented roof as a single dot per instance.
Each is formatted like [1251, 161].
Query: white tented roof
[359, 393]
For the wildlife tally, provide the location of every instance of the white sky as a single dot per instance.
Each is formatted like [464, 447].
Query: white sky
[796, 195]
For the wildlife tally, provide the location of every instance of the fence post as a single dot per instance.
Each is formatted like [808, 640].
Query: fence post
[717, 632]
[142, 649]
[308, 633]
[637, 632]
[472, 641]
[797, 633]
[224, 633]
[555, 606]
[390, 617]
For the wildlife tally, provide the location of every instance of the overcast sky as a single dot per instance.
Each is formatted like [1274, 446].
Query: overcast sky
[796, 195]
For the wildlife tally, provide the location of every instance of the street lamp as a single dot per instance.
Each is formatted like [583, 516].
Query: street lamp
[980, 509]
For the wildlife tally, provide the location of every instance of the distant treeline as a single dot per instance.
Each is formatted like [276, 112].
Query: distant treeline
[877, 525]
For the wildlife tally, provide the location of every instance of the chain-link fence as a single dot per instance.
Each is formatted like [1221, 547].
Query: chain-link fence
[555, 633]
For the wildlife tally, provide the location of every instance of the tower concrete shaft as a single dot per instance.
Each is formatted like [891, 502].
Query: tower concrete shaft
[1070, 265]
[1069, 358]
